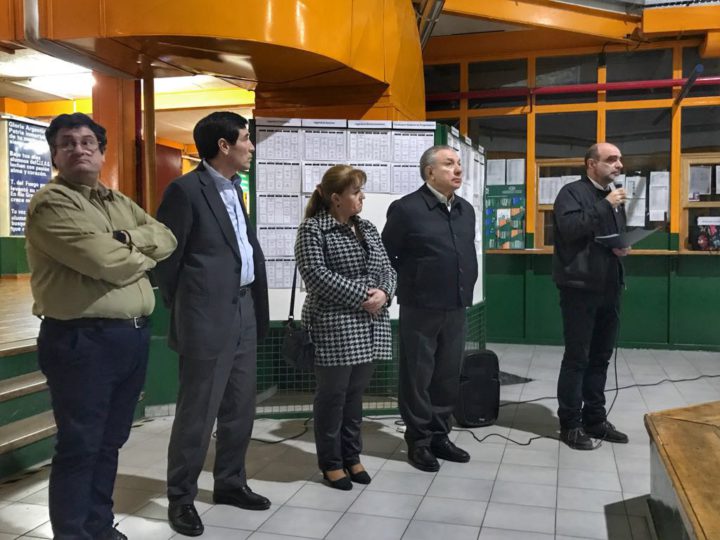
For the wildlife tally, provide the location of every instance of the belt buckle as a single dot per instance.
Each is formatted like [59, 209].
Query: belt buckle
[137, 322]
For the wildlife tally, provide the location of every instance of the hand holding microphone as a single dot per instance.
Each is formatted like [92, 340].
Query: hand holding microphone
[617, 197]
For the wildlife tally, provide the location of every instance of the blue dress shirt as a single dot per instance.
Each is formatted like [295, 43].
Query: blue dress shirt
[229, 194]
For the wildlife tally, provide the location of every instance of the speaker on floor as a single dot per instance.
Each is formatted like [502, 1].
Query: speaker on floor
[479, 398]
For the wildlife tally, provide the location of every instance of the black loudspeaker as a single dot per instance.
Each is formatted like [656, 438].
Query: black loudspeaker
[479, 398]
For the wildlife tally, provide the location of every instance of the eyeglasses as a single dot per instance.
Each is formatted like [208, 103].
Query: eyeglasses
[86, 145]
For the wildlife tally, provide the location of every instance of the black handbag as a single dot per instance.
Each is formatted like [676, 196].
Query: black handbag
[298, 349]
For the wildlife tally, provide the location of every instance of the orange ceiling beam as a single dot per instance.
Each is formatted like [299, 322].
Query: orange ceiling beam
[711, 46]
[686, 19]
[549, 14]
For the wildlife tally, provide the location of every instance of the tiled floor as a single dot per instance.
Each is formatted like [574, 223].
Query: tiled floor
[507, 491]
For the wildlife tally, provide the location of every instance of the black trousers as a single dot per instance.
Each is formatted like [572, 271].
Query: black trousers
[337, 410]
[221, 388]
[95, 375]
[431, 350]
[590, 326]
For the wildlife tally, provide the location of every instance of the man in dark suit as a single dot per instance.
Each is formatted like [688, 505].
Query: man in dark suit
[216, 288]
[430, 238]
[589, 277]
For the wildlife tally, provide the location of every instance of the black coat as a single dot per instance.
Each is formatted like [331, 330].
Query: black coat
[200, 281]
[581, 213]
[432, 250]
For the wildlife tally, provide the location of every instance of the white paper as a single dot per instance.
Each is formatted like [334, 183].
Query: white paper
[277, 241]
[312, 174]
[515, 172]
[657, 215]
[278, 209]
[636, 187]
[659, 194]
[325, 144]
[700, 176]
[278, 177]
[405, 178]
[495, 172]
[635, 212]
[278, 143]
[280, 273]
[408, 146]
[379, 178]
[370, 145]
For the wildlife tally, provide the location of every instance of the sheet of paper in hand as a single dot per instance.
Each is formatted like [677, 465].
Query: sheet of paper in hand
[624, 240]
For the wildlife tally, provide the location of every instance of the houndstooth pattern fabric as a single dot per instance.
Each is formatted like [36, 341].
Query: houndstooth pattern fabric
[338, 271]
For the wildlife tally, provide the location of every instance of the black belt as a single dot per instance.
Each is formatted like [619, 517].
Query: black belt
[242, 291]
[135, 322]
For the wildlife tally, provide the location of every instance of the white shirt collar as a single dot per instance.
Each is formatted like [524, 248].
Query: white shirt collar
[440, 197]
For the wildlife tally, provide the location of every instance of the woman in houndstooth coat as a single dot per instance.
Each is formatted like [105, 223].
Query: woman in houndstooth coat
[350, 282]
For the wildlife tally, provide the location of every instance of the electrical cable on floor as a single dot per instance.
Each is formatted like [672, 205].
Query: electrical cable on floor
[399, 422]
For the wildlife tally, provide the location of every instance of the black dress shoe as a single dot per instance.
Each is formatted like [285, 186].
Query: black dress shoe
[577, 439]
[446, 449]
[343, 483]
[242, 497]
[185, 520]
[111, 533]
[607, 432]
[422, 458]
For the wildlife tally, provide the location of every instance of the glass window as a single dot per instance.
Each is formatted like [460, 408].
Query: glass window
[700, 130]
[565, 70]
[564, 135]
[643, 137]
[442, 79]
[639, 66]
[501, 136]
[506, 74]
[711, 67]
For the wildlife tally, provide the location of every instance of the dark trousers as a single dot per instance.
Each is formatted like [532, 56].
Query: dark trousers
[95, 375]
[337, 410]
[431, 350]
[590, 326]
[221, 388]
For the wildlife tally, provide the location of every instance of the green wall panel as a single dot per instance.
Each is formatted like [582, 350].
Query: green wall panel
[505, 297]
[695, 301]
[27, 456]
[12, 256]
[24, 406]
[544, 320]
[161, 382]
[644, 310]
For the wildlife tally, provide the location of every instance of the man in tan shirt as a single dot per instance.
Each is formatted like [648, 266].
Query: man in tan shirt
[89, 250]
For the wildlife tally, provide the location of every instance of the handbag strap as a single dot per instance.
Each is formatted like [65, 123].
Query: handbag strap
[291, 316]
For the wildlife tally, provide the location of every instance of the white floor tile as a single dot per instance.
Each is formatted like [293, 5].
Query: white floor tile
[301, 522]
[362, 527]
[424, 530]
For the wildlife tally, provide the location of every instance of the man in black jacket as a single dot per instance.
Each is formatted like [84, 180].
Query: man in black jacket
[215, 285]
[430, 239]
[590, 278]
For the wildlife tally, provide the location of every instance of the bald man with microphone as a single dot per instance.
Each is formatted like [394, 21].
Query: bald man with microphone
[590, 278]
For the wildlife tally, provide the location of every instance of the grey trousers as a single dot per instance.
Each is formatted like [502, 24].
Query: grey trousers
[431, 350]
[221, 388]
[337, 410]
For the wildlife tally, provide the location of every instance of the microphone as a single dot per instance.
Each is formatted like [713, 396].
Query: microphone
[617, 184]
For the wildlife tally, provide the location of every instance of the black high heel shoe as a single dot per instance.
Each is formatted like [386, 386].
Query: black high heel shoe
[361, 477]
[343, 483]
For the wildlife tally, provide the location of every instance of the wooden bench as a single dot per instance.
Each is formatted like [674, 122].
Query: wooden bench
[685, 469]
